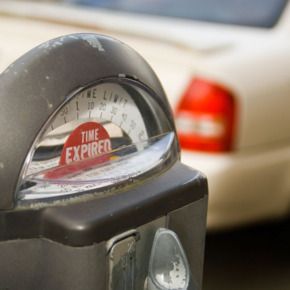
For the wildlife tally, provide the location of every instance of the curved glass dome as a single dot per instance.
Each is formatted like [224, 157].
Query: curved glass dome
[110, 134]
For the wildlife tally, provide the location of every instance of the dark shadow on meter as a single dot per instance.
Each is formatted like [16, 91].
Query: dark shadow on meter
[47, 152]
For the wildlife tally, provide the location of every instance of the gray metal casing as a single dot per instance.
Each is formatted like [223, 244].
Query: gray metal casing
[64, 246]
[43, 264]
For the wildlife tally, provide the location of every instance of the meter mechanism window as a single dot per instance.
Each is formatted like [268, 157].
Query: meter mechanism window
[106, 134]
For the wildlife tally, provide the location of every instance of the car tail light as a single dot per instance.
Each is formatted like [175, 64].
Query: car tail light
[205, 117]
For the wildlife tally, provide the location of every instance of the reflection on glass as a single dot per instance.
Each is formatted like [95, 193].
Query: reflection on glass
[119, 166]
[168, 267]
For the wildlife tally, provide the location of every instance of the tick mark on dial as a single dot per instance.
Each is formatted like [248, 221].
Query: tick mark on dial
[116, 98]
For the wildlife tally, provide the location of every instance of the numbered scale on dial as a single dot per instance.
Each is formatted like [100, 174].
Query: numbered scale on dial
[106, 134]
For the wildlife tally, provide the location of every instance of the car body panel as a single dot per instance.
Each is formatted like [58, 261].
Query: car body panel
[245, 187]
[260, 81]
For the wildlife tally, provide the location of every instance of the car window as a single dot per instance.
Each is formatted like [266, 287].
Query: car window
[259, 13]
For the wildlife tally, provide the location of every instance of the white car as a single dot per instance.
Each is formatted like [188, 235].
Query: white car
[225, 66]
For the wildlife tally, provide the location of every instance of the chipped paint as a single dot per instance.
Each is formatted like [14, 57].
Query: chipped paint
[45, 45]
[49, 104]
[73, 37]
[2, 165]
[51, 44]
[93, 41]
[57, 43]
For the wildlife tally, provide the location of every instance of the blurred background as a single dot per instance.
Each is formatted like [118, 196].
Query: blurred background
[225, 66]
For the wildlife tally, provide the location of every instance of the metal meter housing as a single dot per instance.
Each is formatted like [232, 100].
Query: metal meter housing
[101, 238]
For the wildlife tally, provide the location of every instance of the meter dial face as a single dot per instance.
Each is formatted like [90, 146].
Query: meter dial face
[107, 135]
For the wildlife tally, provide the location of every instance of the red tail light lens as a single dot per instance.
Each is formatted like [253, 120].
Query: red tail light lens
[205, 117]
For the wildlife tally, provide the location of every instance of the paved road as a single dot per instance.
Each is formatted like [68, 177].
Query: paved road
[257, 258]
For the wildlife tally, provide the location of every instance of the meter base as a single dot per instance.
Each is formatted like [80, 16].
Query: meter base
[34, 264]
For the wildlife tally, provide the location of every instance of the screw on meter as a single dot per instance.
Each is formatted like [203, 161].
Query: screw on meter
[92, 126]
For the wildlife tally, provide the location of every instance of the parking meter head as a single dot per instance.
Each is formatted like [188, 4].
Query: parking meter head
[82, 114]
[90, 173]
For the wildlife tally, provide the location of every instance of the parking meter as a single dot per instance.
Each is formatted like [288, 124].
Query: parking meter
[92, 192]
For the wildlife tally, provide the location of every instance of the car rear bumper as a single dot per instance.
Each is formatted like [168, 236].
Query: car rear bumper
[244, 187]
